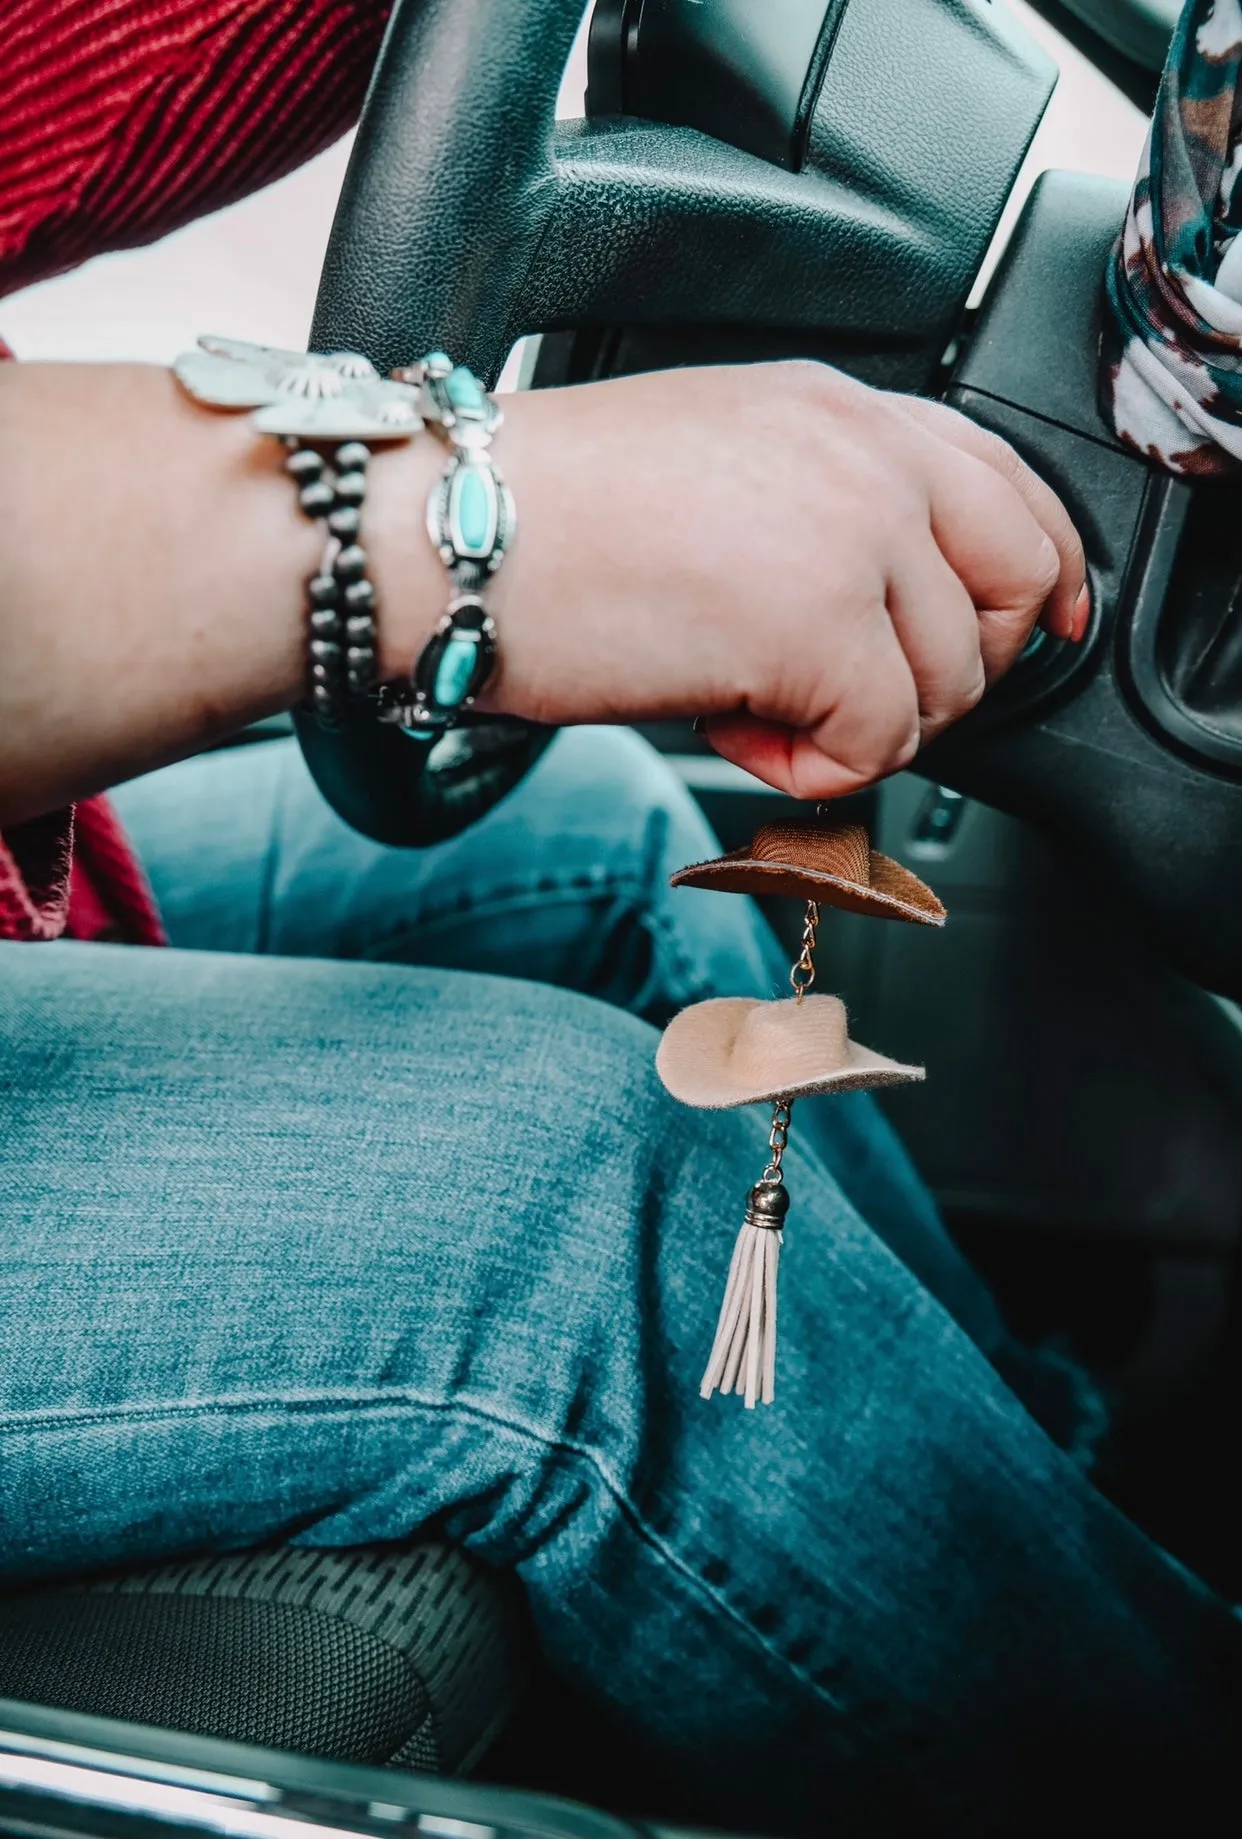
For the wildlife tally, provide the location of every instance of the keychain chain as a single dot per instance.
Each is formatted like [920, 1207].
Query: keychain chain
[802, 976]
[778, 1137]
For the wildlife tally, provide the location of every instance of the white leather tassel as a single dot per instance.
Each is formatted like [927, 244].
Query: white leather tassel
[743, 1358]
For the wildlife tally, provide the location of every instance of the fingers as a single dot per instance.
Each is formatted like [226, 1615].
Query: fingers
[872, 727]
[911, 681]
[938, 628]
[1001, 554]
[783, 758]
[1067, 608]
[969, 549]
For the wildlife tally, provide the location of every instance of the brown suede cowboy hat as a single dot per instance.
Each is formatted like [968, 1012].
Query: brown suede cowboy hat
[836, 867]
[735, 1050]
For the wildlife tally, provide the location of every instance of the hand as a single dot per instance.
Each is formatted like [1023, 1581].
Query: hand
[830, 575]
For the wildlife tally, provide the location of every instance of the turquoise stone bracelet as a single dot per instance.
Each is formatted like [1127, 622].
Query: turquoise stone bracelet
[471, 520]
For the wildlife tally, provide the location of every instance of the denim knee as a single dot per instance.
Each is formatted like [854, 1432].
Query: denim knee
[366, 1196]
[625, 775]
[633, 823]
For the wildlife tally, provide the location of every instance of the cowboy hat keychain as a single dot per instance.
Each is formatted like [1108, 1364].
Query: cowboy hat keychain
[734, 1051]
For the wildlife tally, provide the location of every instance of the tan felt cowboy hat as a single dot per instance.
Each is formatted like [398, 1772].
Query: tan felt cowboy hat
[836, 867]
[737, 1051]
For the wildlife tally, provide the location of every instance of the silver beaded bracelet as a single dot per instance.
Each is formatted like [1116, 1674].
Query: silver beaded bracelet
[340, 401]
[343, 644]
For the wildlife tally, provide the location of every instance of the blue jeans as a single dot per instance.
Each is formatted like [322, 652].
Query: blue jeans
[361, 1209]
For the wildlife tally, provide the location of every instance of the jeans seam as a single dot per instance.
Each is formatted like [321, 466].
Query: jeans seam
[504, 900]
[271, 862]
[682, 980]
[412, 1401]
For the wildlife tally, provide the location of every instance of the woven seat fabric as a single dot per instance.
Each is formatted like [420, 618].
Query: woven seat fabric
[409, 1655]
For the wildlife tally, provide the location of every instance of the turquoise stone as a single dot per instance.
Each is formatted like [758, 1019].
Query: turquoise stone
[473, 511]
[456, 669]
[465, 392]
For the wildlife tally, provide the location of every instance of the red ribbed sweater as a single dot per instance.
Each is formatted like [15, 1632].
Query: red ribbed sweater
[119, 121]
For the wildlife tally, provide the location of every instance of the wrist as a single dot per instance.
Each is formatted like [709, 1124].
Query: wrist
[410, 581]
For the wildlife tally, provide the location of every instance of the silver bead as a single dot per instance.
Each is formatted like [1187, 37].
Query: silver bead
[304, 465]
[351, 488]
[351, 563]
[317, 499]
[345, 522]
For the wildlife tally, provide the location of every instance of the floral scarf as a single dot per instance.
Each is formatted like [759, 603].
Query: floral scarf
[1171, 382]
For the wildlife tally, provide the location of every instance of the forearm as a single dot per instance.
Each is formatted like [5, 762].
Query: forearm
[153, 562]
[829, 575]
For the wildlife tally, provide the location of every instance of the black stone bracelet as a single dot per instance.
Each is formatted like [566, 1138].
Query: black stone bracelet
[343, 644]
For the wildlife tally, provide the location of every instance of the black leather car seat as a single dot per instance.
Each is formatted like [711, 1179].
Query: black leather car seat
[409, 1655]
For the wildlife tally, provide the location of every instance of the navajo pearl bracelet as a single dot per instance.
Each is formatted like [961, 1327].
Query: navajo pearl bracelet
[343, 640]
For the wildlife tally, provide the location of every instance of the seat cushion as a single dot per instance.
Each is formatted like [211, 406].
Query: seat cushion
[409, 1655]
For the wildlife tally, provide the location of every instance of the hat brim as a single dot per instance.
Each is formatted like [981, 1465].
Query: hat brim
[698, 1066]
[894, 892]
